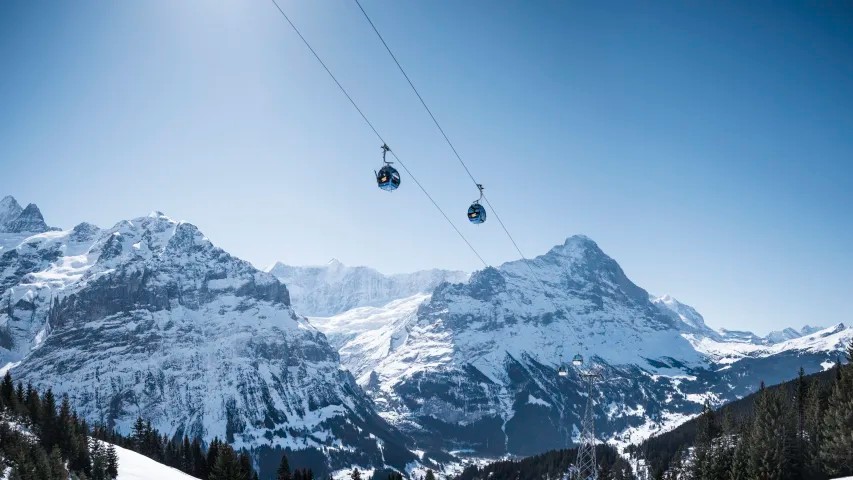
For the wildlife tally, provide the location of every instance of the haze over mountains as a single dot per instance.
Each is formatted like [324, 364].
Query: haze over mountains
[335, 288]
[150, 318]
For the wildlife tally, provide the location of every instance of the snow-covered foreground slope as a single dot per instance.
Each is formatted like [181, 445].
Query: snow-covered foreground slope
[335, 288]
[149, 318]
[134, 466]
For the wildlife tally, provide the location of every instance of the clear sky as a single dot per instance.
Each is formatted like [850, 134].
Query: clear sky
[706, 146]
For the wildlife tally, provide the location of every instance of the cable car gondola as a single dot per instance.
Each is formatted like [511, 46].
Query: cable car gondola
[562, 370]
[388, 178]
[578, 360]
[477, 212]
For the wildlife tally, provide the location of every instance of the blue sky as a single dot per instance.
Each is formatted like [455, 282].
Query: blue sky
[707, 147]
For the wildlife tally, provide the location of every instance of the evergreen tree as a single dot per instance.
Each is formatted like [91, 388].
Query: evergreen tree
[212, 455]
[703, 451]
[729, 426]
[99, 464]
[227, 466]
[740, 460]
[429, 475]
[66, 428]
[355, 474]
[112, 462]
[186, 455]
[836, 450]
[7, 391]
[80, 460]
[199, 461]
[19, 394]
[245, 465]
[33, 403]
[800, 399]
[21, 407]
[283, 472]
[49, 427]
[768, 456]
[57, 465]
[138, 435]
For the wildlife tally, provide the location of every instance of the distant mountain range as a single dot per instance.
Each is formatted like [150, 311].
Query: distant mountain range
[150, 318]
[335, 288]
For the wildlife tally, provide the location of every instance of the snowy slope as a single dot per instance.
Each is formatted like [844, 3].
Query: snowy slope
[322, 291]
[135, 466]
[366, 336]
[830, 339]
[131, 465]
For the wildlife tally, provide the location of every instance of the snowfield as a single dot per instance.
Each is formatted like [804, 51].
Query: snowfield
[134, 466]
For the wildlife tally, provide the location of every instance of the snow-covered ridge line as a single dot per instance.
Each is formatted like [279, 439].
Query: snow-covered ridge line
[693, 322]
[830, 339]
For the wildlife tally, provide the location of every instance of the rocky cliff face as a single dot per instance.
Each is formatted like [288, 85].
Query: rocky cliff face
[150, 319]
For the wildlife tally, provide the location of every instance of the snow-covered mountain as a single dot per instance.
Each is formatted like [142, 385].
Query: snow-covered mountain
[10, 209]
[693, 322]
[335, 288]
[149, 318]
[17, 223]
[473, 366]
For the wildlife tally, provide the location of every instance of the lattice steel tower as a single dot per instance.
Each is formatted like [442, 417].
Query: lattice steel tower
[586, 467]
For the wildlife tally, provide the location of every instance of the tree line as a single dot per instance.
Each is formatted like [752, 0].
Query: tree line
[802, 430]
[551, 465]
[216, 461]
[40, 440]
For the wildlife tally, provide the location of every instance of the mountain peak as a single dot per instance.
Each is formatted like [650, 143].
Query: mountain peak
[9, 210]
[9, 201]
[578, 247]
[84, 231]
[29, 220]
[680, 311]
[157, 214]
[579, 239]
